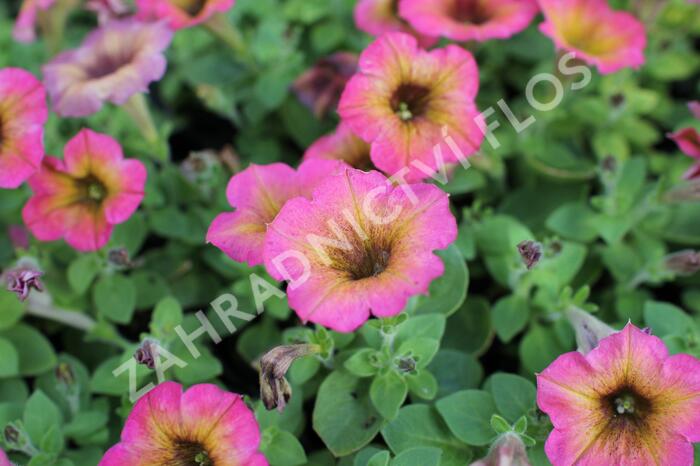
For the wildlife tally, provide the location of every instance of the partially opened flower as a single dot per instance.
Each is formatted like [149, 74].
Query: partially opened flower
[407, 102]
[181, 13]
[203, 426]
[25, 25]
[82, 197]
[627, 402]
[507, 450]
[115, 62]
[258, 194]
[596, 34]
[343, 145]
[361, 246]
[688, 141]
[22, 116]
[320, 87]
[376, 17]
[466, 20]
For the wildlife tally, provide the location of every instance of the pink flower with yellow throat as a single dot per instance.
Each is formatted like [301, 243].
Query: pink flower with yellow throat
[360, 246]
[115, 62]
[406, 102]
[204, 425]
[596, 34]
[82, 197]
[25, 25]
[181, 13]
[467, 20]
[342, 144]
[258, 194]
[376, 17]
[23, 114]
[626, 402]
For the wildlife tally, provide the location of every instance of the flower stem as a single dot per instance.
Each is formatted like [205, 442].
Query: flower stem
[72, 319]
[219, 26]
[138, 110]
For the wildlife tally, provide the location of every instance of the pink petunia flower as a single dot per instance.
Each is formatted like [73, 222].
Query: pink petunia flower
[406, 102]
[258, 194]
[627, 402]
[181, 13]
[360, 246]
[108, 10]
[376, 17]
[466, 20]
[320, 87]
[23, 114]
[116, 61]
[4, 461]
[596, 34]
[688, 141]
[82, 197]
[205, 425]
[343, 145]
[25, 25]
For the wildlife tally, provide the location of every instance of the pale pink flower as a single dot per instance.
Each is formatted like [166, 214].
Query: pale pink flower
[343, 145]
[25, 25]
[376, 17]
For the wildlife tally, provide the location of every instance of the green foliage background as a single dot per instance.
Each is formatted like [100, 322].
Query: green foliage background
[591, 180]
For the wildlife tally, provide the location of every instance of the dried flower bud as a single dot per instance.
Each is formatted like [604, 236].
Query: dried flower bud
[275, 391]
[589, 330]
[683, 262]
[65, 374]
[12, 435]
[320, 87]
[531, 252]
[507, 450]
[406, 365]
[147, 354]
[22, 280]
[119, 257]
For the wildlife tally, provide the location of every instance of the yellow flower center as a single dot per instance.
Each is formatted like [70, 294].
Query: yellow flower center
[410, 101]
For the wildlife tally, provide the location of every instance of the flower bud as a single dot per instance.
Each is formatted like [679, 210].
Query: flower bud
[65, 374]
[320, 87]
[683, 263]
[507, 450]
[275, 391]
[531, 252]
[119, 257]
[589, 330]
[22, 280]
[147, 354]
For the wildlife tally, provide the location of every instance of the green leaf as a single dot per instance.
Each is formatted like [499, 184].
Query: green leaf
[361, 363]
[514, 395]
[539, 348]
[470, 329]
[40, 415]
[11, 309]
[421, 456]
[419, 425]
[666, 319]
[423, 384]
[281, 448]
[85, 423]
[82, 271]
[427, 325]
[448, 292]
[9, 359]
[343, 416]
[499, 425]
[455, 371]
[115, 298]
[574, 221]
[468, 415]
[510, 315]
[36, 355]
[166, 316]
[379, 459]
[422, 350]
[388, 392]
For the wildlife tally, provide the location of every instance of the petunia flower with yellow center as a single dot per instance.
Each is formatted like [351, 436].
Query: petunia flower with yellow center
[343, 145]
[82, 197]
[467, 20]
[595, 33]
[181, 14]
[23, 114]
[406, 102]
[203, 426]
[625, 403]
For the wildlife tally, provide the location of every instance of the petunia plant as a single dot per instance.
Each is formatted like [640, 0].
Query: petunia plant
[349, 233]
